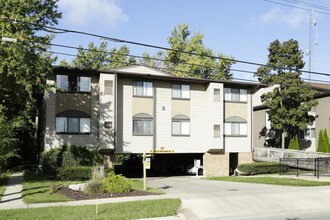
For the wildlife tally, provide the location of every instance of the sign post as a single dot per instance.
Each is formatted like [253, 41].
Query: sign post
[146, 165]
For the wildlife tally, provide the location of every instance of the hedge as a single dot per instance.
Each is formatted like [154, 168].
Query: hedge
[77, 172]
[261, 168]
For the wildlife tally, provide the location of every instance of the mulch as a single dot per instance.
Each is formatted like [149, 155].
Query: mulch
[80, 195]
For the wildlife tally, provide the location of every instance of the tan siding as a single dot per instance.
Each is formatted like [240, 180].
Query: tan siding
[73, 101]
[142, 105]
[259, 126]
[235, 109]
[180, 106]
[323, 116]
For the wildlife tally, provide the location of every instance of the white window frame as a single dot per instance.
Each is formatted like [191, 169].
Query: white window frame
[236, 129]
[235, 94]
[184, 126]
[182, 91]
[62, 82]
[66, 121]
[145, 87]
[303, 134]
[84, 86]
[143, 122]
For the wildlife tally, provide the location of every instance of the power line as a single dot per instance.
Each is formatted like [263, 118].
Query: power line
[146, 45]
[298, 7]
[325, 8]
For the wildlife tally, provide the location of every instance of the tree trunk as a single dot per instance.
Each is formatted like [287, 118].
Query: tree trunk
[284, 135]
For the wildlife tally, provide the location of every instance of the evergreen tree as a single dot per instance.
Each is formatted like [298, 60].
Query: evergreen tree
[326, 140]
[294, 143]
[321, 146]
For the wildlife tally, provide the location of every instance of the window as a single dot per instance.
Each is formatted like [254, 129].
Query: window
[236, 95]
[73, 121]
[235, 126]
[142, 88]
[84, 84]
[142, 124]
[216, 131]
[73, 83]
[62, 82]
[216, 93]
[307, 133]
[180, 125]
[108, 87]
[180, 91]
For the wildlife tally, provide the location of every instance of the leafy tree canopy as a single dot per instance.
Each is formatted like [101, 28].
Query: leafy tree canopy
[184, 64]
[24, 65]
[292, 98]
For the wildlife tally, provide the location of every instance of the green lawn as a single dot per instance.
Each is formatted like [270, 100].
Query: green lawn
[126, 210]
[3, 182]
[36, 189]
[271, 180]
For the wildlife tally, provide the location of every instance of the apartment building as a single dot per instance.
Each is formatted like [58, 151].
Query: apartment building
[263, 136]
[136, 110]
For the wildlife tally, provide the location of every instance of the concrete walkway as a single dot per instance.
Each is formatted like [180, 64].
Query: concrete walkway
[12, 197]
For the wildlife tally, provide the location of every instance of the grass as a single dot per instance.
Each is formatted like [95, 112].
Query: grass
[3, 182]
[271, 181]
[36, 189]
[138, 185]
[125, 210]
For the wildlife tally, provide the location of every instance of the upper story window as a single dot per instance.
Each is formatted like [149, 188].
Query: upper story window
[216, 131]
[180, 125]
[73, 121]
[216, 93]
[180, 91]
[307, 133]
[73, 83]
[142, 124]
[141, 88]
[235, 95]
[235, 126]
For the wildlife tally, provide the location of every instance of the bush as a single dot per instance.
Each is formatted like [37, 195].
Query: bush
[261, 168]
[294, 143]
[77, 172]
[74, 173]
[53, 188]
[68, 156]
[95, 187]
[117, 183]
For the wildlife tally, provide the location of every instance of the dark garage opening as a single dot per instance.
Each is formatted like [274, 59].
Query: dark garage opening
[233, 162]
[161, 165]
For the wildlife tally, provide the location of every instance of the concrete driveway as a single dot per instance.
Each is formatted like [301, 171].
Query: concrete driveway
[206, 199]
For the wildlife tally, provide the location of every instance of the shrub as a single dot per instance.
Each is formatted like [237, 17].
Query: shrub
[321, 143]
[95, 187]
[294, 143]
[77, 172]
[117, 183]
[74, 173]
[53, 188]
[68, 156]
[261, 168]
[98, 173]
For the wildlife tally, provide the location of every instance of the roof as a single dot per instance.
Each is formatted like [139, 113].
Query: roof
[320, 86]
[152, 73]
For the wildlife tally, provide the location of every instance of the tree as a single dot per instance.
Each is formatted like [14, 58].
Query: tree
[100, 58]
[294, 143]
[152, 61]
[326, 140]
[188, 65]
[321, 147]
[25, 64]
[92, 58]
[292, 98]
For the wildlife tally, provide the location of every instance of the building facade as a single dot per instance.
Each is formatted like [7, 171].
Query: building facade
[136, 110]
[263, 135]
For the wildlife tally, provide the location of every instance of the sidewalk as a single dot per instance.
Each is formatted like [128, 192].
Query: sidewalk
[12, 197]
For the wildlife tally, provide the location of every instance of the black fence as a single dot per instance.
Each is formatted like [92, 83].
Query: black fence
[297, 166]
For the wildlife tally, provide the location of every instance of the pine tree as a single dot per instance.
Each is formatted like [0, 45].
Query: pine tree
[321, 142]
[294, 143]
[326, 140]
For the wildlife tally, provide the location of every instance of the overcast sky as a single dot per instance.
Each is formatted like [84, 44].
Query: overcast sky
[240, 28]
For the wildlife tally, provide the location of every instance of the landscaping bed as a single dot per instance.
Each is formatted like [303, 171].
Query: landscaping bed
[80, 195]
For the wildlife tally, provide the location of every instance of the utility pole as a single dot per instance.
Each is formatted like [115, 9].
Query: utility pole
[312, 42]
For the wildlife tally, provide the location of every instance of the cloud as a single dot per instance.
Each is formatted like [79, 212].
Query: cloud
[92, 12]
[279, 16]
